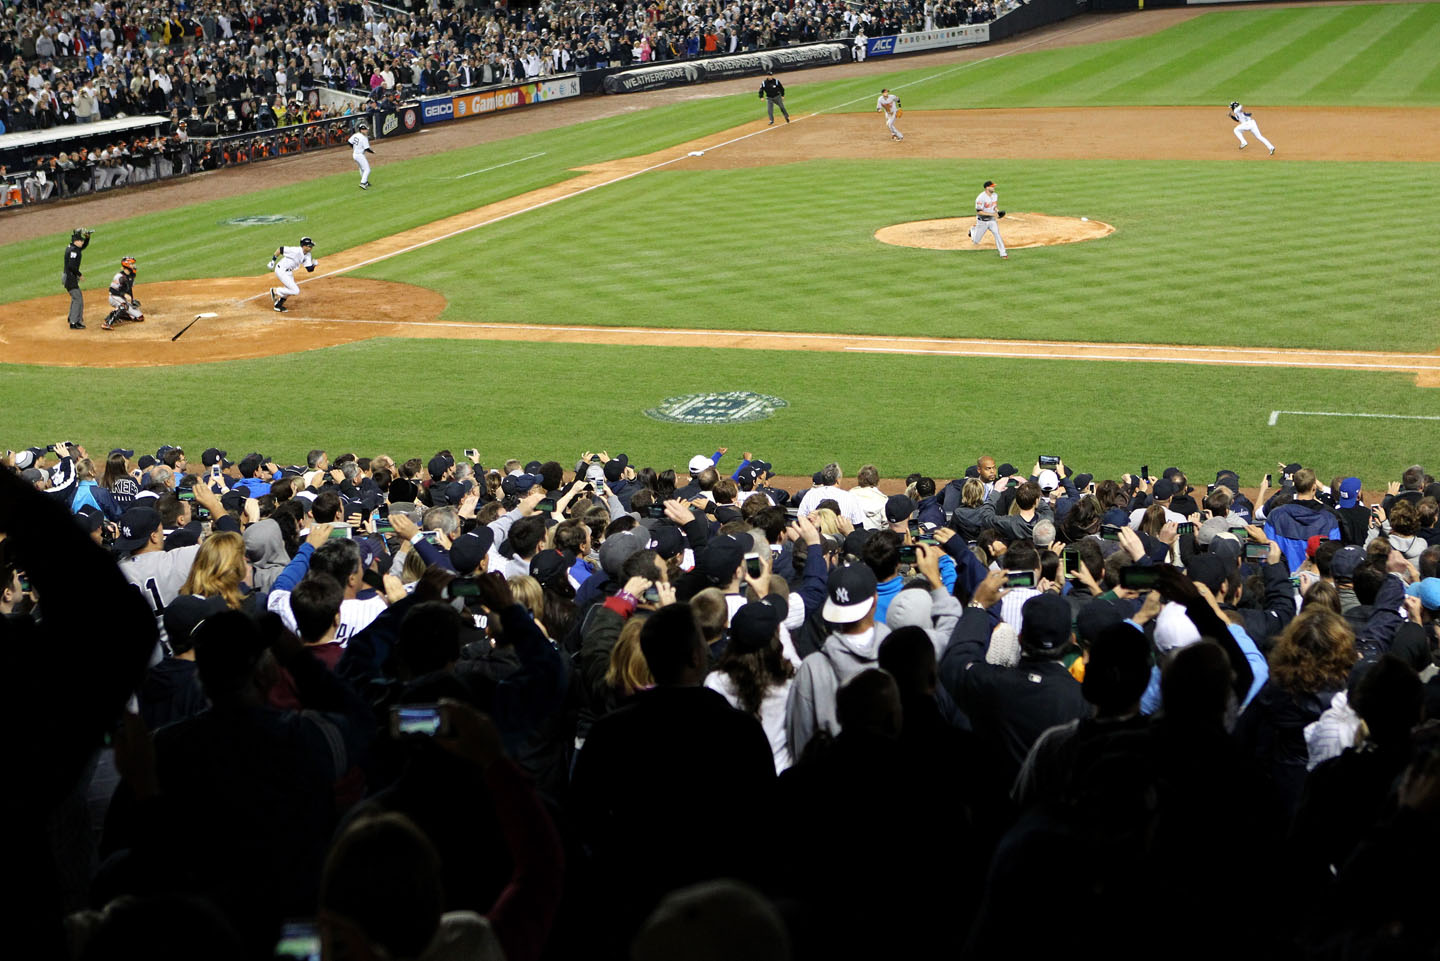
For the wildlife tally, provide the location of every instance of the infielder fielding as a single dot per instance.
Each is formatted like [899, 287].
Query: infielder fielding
[122, 296]
[79, 240]
[1244, 121]
[359, 147]
[987, 217]
[889, 105]
[285, 261]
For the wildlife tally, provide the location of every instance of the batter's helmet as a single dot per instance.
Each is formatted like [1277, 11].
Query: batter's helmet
[127, 263]
[1234, 104]
[364, 127]
[306, 242]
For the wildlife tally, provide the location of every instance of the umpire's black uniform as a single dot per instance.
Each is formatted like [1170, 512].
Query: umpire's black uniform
[78, 241]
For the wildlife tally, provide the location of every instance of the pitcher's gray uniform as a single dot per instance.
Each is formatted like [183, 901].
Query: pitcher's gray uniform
[987, 217]
[285, 261]
[1243, 122]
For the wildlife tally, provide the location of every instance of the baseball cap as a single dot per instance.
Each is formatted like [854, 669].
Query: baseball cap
[1349, 491]
[1082, 481]
[547, 567]
[514, 484]
[614, 467]
[855, 541]
[849, 593]
[1048, 480]
[1096, 616]
[1428, 591]
[1045, 622]
[123, 452]
[1206, 532]
[1164, 489]
[1228, 478]
[136, 526]
[1005, 470]
[699, 462]
[533, 468]
[722, 556]
[667, 541]
[1226, 546]
[1208, 569]
[898, 508]
[616, 549]
[24, 459]
[184, 614]
[468, 550]
[753, 626]
[1345, 561]
[1174, 629]
[89, 518]
[145, 462]
[212, 456]
[438, 465]
[988, 183]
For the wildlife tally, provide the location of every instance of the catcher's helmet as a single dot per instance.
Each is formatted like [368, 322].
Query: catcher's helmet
[1234, 104]
[127, 263]
[306, 242]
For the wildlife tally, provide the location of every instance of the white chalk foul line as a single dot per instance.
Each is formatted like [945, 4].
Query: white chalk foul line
[1275, 415]
[1225, 362]
[498, 166]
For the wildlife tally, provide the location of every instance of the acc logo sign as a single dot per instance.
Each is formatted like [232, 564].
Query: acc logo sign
[732, 407]
[261, 220]
[881, 45]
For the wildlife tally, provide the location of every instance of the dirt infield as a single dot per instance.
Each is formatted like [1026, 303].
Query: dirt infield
[1020, 230]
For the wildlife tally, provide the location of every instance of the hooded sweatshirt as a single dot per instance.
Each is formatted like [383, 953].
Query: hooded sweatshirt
[265, 549]
[1292, 525]
[821, 675]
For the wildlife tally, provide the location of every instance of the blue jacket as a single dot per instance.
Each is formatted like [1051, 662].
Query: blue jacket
[1292, 525]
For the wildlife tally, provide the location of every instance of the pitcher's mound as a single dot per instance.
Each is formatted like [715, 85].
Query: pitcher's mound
[1019, 230]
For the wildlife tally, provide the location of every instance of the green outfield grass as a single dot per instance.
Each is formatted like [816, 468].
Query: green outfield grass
[903, 413]
[1258, 253]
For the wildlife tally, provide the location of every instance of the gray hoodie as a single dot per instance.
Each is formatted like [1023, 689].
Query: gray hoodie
[265, 550]
[812, 696]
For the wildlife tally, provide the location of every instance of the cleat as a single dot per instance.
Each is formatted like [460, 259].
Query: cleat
[79, 326]
[280, 308]
[1272, 151]
[273, 299]
[1244, 145]
[364, 186]
[107, 326]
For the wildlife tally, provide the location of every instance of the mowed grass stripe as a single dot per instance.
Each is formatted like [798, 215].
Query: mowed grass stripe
[842, 406]
[1258, 76]
[1404, 79]
[1347, 81]
[1179, 75]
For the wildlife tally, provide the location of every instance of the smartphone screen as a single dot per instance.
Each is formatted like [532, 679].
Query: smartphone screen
[339, 532]
[546, 505]
[752, 565]
[1257, 552]
[1109, 533]
[415, 719]
[1019, 578]
[1139, 578]
[908, 553]
[1185, 527]
[299, 941]
[1240, 532]
[1070, 558]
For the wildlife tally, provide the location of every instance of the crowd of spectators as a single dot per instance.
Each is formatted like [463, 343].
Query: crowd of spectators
[607, 710]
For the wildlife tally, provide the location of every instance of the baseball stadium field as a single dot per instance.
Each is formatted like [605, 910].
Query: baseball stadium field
[536, 292]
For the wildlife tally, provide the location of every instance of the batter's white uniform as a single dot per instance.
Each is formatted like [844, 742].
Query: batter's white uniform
[292, 259]
[359, 143]
[987, 219]
[887, 104]
[1246, 122]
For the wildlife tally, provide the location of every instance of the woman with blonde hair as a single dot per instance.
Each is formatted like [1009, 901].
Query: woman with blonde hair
[220, 570]
[826, 521]
[1309, 664]
[529, 595]
[974, 513]
[628, 672]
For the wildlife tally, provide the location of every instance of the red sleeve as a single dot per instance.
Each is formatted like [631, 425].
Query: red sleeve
[525, 910]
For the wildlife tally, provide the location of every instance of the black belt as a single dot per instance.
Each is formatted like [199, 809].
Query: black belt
[983, 217]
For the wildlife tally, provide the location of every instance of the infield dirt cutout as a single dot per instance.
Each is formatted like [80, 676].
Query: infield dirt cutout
[335, 308]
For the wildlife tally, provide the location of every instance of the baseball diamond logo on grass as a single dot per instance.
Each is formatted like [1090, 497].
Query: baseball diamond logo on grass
[261, 220]
[731, 407]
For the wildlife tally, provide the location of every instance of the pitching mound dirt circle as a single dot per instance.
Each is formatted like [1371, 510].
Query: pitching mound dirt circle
[1020, 230]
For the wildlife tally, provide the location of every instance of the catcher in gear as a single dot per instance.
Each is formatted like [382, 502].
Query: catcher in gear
[122, 296]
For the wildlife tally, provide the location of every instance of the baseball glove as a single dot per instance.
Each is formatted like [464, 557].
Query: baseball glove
[899, 112]
[1000, 215]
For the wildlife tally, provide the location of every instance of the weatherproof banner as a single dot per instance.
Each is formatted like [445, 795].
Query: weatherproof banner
[721, 68]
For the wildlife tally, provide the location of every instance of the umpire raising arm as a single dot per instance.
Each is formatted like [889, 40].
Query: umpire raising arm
[79, 240]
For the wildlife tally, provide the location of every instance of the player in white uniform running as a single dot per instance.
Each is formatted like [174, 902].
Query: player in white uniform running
[889, 105]
[1244, 121]
[285, 261]
[987, 218]
[359, 147]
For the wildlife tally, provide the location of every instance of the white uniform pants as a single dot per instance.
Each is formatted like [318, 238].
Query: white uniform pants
[860, 52]
[364, 166]
[1251, 126]
[977, 233]
[287, 280]
[890, 122]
